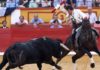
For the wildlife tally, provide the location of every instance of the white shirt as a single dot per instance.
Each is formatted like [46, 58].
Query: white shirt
[58, 25]
[24, 22]
[4, 27]
[92, 17]
[39, 20]
[52, 21]
[78, 15]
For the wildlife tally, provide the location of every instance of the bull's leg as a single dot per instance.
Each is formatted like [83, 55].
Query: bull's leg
[62, 55]
[4, 62]
[39, 66]
[58, 60]
[8, 68]
[20, 67]
[78, 55]
[54, 64]
[51, 62]
[11, 66]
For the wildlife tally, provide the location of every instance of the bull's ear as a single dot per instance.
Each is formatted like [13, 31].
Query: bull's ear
[59, 40]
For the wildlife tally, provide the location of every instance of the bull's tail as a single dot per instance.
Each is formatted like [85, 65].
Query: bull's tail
[4, 62]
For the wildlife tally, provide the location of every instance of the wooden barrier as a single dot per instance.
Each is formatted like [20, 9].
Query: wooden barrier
[15, 34]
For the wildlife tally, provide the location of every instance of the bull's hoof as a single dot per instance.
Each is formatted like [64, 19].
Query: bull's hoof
[20, 67]
[54, 68]
[59, 68]
[92, 65]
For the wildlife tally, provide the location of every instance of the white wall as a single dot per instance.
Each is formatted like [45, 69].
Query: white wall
[15, 16]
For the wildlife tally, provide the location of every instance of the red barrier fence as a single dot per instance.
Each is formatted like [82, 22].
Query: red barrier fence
[24, 33]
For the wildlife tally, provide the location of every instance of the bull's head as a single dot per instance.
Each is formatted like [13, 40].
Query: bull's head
[62, 45]
[64, 50]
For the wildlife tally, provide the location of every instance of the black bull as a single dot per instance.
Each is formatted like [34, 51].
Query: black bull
[36, 51]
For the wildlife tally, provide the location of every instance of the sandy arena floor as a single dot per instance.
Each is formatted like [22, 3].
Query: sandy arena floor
[66, 64]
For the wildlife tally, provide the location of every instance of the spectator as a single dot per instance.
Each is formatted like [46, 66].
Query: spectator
[4, 24]
[97, 3]
[49, 3]
[11, 3]
[79, 3]
[56, 2]
[71, 2]
[89, 3]
[22, 21]
[24, 3]
[33, 4]
[52, 3]
[17, 2]
[55, 22]
[36, 20]
[45, 3]
[21, 3]
[92, 16]
[39, 3]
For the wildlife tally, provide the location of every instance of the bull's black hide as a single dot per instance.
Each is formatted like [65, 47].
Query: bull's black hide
[36, 51]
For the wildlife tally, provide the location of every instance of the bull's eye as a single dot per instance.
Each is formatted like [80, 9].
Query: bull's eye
[61, 52]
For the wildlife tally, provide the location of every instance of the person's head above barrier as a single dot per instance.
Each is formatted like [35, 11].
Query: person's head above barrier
[36, 16]
[69, 9]
[22, 21]
[4, 24]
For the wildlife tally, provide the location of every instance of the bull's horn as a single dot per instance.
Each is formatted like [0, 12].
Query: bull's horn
[64, 46]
